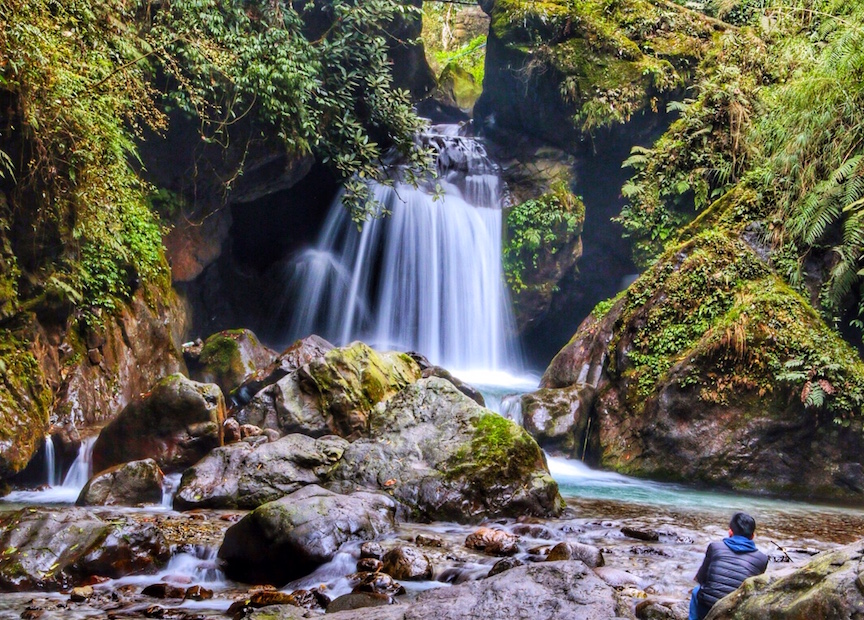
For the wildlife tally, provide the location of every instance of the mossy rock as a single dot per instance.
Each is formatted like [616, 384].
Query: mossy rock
[716, 371]
[444, 457]
[25, 397]
[459, 87]
[557, 68]
[230, 357]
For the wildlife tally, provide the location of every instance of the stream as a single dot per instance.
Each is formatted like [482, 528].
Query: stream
[429, 279]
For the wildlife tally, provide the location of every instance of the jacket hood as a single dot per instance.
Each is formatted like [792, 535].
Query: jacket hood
[740, 544]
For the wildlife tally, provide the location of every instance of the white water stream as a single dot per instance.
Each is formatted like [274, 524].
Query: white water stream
[426, 278]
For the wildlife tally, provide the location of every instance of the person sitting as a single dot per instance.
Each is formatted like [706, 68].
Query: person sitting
[726, 565]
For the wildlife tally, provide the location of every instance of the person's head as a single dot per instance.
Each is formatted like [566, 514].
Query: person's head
[742, 524]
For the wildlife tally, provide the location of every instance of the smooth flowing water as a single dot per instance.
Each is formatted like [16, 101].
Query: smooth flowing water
[427, 277]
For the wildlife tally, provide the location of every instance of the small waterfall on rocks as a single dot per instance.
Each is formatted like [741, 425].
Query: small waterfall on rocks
[427, 277]
[82, 467]
[50, 461]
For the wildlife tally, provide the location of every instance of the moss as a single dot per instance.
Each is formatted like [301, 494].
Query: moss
[221, 353]
[499, 450]
[731, 329]
[612, 58]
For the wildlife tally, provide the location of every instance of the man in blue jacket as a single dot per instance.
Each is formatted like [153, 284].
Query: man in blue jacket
[727, 564]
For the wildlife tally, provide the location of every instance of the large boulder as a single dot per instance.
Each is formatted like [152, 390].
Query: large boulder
[228, 358]
[290, 537]
[53, 550]
[446, 458]
[129, 484]
[247, 474]
[333, 394]
[558, 418]
[710, 368]
[176, 424]
[829, 587]
[545, 591]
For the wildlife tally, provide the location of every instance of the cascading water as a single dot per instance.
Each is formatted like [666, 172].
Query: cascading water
[427, 277]
[50, 461]
[82, 467]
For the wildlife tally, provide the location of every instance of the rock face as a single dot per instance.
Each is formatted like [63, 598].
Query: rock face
[555, 67]
[546, 591]
[129, 484]
[828, 587]
[49, 550]
[176, 424]
[706, 369]
[288, 538]
[248, 474]
[332, 395]
[446, 458]
[228, 359]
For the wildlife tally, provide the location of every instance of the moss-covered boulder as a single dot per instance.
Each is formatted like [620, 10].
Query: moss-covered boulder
[458, 88]
[228, 358]
[333, 394]
[709, 368]
[444, 457]
[829, 587]
[176, 424]
[129, 484]
[52, 550]
[290, 537]
[557, 67]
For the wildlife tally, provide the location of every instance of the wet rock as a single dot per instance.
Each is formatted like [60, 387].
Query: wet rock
[358, 600]
[265, 598]
[164, 590]
[469, 390]
[652, 610]
[176, 424]
[446, 458]
[558, 418]
[493, 541]
[244, 475]
[228, 358]
[407, 563]
[376, 583]
[250, 430]
[618, 578]
[428, 541]
[647, 550]
[371, 549]
[310, 599]
[52, 550]
[641, 534]
[333, 394]
[591, 556]
[298, 354]
[197, 593]
[369, 565]
[129, 484]
[829, 587]
[81, 594]
[504, 564]
[230, 431]
[308, 526]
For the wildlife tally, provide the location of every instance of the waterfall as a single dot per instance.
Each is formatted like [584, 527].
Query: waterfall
[82, 467]
[427, 278]
[50, 461]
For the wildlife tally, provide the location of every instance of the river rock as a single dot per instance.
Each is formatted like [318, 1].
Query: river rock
[176, 424]
[129, 484]
[504, 564]
[407, 563]
[246, 475]
[446, 458]
[570, 550]
[558, 418]
[53, 550]
[333, 394]
[290, 537]
[227, 359]
[546, 591]
[829, 587]
[377, 583]
[430, 370]
[493, 541]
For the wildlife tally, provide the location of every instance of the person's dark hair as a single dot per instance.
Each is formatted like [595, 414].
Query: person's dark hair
[742, 524]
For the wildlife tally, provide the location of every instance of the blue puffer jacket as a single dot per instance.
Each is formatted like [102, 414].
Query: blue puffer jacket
[727, 564]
